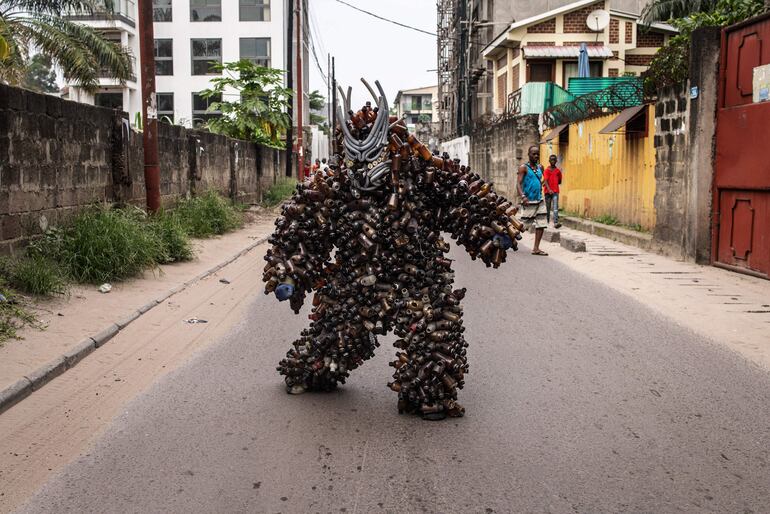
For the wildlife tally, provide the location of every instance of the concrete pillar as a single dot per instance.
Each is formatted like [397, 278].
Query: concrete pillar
[704, 74]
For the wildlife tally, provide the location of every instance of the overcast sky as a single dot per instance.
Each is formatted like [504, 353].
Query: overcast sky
[374, 49]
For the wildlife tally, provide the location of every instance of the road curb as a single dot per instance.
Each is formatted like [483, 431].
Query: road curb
[33, 381]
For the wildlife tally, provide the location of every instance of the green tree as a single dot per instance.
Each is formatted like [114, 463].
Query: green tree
[318, 103]
[40, 77]
[259, 114]
[81, 52]
[671, 64]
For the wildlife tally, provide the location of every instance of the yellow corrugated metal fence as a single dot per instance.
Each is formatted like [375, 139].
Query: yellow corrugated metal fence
[607, 174]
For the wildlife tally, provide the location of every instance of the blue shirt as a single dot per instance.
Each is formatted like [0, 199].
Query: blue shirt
[532, 184]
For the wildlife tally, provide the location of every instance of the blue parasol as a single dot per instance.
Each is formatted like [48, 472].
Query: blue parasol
[583, 69]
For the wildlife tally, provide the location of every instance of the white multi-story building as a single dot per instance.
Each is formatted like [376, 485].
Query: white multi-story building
[189, 35]
[419, 108]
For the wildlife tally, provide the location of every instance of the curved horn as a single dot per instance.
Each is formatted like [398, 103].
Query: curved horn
[344, 100]
[382, 93]
[371, 91]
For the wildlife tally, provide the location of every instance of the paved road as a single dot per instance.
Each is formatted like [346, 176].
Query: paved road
[579, 400]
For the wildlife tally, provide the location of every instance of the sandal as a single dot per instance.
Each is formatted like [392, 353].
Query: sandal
[539, 252]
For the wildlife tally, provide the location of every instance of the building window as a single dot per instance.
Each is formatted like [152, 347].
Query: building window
[416, 103]
[502, 62]
[540, 71]
[109, 100]
[161, 10]
[254, 10]
[204, 53]
[502, 90]
[427, 104]
[164, 57]
[256, 50]
[165, 103]
[205, 10]
[200, 107]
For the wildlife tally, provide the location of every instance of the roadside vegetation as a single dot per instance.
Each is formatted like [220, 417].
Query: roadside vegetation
[104, 244]
[606, 219]
[279, 192]
[671, 64]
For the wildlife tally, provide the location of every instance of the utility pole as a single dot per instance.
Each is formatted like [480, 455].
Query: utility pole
[300, 148]
[334, 103]
[290, 86]
[149, 107]
[329, 98]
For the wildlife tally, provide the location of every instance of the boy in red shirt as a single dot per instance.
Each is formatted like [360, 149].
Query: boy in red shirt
[551, 181]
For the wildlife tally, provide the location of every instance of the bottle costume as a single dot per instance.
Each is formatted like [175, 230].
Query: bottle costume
[366, 238]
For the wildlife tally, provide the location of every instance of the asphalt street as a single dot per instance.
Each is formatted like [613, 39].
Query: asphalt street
[578, 399]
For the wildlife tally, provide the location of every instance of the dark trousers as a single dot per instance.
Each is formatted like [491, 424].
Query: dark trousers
[552, 200]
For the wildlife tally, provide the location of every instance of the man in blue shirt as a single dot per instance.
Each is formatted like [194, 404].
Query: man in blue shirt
[529, 186]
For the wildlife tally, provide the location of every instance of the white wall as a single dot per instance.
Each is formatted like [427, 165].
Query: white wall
[458, 148]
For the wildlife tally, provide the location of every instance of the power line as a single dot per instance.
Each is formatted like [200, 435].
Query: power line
[470, 38]
[313, 33]
[314, 27]
[388, 20]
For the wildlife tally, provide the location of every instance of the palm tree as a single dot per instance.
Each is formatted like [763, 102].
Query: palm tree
[664, 10]
[29, 26]
[726, 11]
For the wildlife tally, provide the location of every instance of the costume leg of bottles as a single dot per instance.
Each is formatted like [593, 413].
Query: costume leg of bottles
[321, 357]
[431, 363]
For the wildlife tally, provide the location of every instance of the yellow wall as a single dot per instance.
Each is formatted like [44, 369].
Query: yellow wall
[607, 174]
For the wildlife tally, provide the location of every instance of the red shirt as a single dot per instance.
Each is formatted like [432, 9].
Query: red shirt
[552, 177]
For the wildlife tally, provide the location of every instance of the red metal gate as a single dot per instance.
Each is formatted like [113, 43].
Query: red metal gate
[741, 217]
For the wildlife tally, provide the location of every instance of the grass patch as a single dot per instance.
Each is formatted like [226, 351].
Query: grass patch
[13, 314]
[175, 244]
[35, 275]
[606, 219]
[103, 244]
[279, 192]
[207, 215]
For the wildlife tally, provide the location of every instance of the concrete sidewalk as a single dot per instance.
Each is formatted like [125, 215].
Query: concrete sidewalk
[722, 306]
[79, 323]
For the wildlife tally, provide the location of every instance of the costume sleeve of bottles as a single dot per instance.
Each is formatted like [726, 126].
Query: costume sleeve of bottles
[301, 244]
[477, 217]
[383, 206]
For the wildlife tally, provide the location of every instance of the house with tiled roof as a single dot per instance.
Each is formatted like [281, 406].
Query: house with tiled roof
[544, 49]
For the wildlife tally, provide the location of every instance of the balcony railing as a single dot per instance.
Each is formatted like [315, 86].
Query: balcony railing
[123, 10]
[536, 97]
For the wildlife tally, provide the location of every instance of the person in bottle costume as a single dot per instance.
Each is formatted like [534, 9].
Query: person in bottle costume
[381, 210]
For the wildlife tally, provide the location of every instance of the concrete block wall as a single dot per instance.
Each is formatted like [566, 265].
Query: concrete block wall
[58, 156]
[672, 117]
[497, 151]
[685, 128]
[50, 165]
